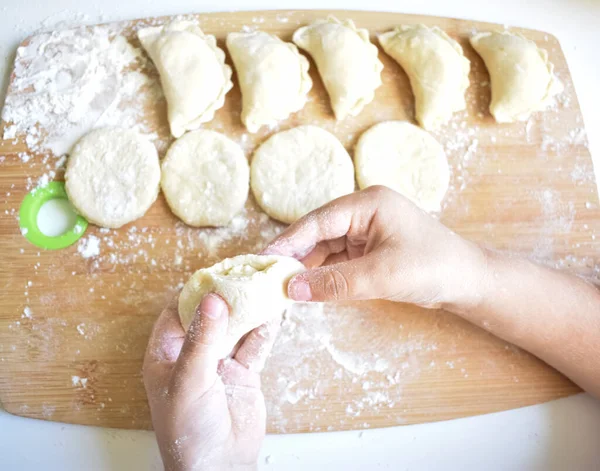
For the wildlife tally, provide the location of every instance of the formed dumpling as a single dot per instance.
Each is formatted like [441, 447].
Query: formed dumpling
[346, 60]
[521, 76]
[437, 69]
[273, 77]
[253, 286]
[192, 71]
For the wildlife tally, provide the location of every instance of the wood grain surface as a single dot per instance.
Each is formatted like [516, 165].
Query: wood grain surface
[527, 188]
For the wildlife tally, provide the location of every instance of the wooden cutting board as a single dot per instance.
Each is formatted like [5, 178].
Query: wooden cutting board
[74, 355]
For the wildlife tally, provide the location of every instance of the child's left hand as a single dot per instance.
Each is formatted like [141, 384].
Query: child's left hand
[207, 413]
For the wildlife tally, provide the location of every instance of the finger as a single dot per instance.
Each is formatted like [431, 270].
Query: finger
[336, 258]
[167, 336]
[351, 280]
[350, 215]
[322, 251]
[257, 346]
[163, 349]
[196, 367]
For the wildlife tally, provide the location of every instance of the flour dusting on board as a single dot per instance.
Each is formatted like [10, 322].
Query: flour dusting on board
[321, 346]
[66, 83]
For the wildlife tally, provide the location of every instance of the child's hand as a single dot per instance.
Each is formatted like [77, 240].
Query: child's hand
[377, 244]
[208, 413]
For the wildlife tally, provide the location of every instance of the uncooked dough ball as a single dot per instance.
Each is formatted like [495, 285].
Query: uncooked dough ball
[112, 176]
[254, 287]
[296, 171]
[205, 178]
[404, 158]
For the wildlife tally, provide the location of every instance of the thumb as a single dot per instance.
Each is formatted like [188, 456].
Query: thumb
[352, 280]
[196, 367]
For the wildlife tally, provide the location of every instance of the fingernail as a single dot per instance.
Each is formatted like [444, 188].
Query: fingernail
[299, 289]
[212, 306]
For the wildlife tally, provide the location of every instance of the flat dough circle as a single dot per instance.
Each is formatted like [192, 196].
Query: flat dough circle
[205, 178]
[112, 176]
[254, 287]
[296, 171]
[406, 159]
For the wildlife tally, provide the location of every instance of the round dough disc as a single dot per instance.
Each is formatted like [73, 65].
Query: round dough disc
[254, 287]
[296, 171]
[112, 176]
[205, 178]
[406, 159]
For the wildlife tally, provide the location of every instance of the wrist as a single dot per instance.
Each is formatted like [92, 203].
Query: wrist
[469, 281]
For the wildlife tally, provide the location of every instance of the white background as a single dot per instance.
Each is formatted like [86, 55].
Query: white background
[560, 435]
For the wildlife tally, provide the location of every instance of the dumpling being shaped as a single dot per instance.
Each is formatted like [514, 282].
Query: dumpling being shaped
[437, 69]
[192, 71]
[522, 78]
[273, 77]
[346, 60]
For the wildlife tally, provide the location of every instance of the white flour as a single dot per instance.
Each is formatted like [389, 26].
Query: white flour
[66, 83]
[89, 246]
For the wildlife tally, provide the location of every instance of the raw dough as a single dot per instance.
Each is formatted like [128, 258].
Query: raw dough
[273, 77]
[406, 159]
[112, 176]
[437, 69]
[254, 287]
[296, 171]
[205, 178]
[192, 71]
[346, 60]
[522, 78]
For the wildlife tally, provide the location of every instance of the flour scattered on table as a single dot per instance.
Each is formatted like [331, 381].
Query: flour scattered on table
[68, 82]
[77, 381]
[89, 246]
[371, 378]
[27, 313]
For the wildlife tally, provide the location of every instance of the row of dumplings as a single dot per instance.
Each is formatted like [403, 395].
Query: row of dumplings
[274, 79]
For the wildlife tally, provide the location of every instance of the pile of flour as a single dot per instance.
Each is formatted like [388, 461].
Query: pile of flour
[66, 83]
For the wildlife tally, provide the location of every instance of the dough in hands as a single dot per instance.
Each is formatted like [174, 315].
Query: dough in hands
[406, 159]
[346, 60]
[192, 71]
[437, 69]
[273, 77]
[205, 178]
[112, 176]
[298, 170]
[254, 287]
[521, 76]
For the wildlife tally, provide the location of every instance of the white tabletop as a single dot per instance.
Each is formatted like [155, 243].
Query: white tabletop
[559, 435]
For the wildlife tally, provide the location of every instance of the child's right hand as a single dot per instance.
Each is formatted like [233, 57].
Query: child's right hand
[377, 244]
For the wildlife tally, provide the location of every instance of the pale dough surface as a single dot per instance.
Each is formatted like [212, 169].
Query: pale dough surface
[437, 69]
[406, 159]
[112, 176]
[346, 60]
[298, 170]
[254, 287]
[192, 71]
[273, 77]
[205, 178]
[521, 75]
